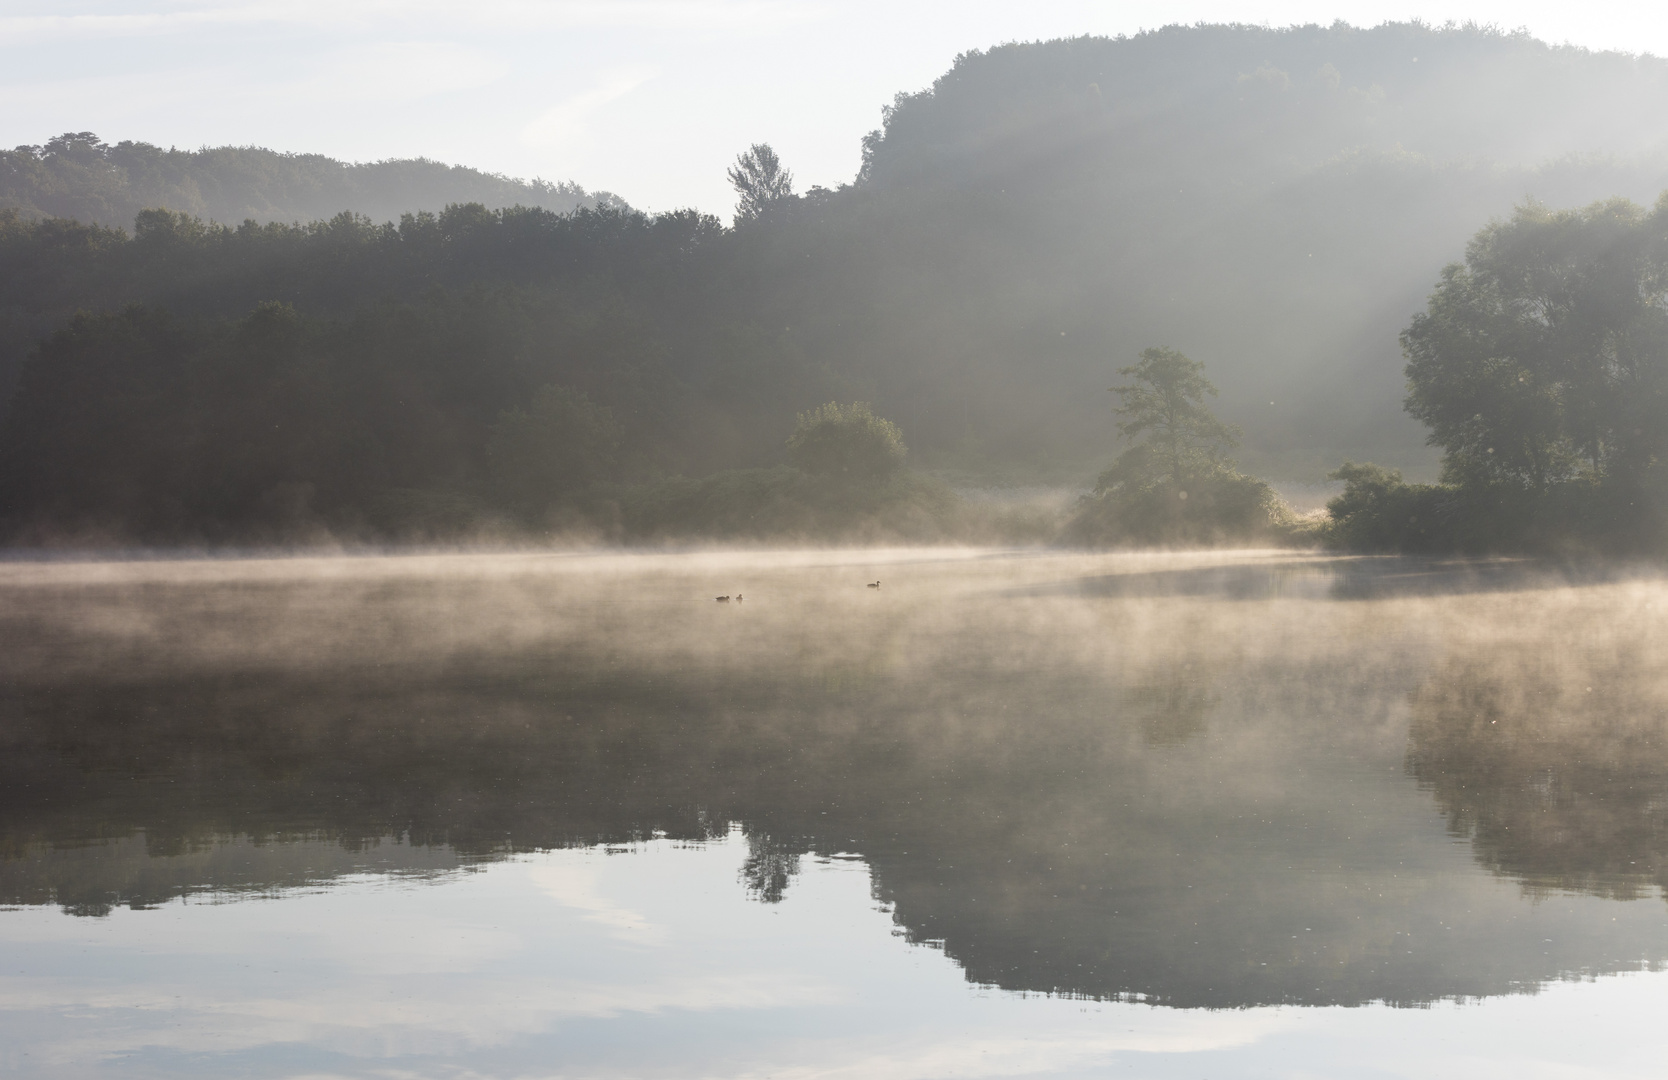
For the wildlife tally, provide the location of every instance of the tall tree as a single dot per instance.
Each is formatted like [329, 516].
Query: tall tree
[1176, 484]
[1165, 402]
[759, 180]
[1544, 357]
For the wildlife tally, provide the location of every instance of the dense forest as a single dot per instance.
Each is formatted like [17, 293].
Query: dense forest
[1274, 204]
[78, 175]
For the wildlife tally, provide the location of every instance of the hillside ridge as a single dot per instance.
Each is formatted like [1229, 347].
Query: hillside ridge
[78, 175]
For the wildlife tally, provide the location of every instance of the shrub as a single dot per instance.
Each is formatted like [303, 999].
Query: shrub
[1213, 506]
[847, 442]
[1379, 511]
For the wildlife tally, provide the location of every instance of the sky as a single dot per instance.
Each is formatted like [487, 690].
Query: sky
[649, 99]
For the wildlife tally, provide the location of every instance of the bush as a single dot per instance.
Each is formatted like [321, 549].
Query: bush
[1213, 506]
[1379, 511]
[848, 442]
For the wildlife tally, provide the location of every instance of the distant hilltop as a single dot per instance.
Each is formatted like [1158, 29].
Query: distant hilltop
[77, 175]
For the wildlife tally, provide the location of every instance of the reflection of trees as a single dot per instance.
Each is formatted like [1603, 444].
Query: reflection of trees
[769, 866]
[1166, 797]
[92, 878]
[1553, 761]
[1056, 851]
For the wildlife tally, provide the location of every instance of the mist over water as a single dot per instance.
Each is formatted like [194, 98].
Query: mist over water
[1229, 780]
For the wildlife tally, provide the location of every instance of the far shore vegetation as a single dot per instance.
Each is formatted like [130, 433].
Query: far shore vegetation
[1220, 224]
[1540, 368]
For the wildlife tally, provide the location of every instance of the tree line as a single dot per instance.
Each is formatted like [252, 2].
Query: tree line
[1024, 225]
[1539, 367]
[1039, 208]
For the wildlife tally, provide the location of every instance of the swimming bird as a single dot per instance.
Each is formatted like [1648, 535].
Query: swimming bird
[874, 584]
[722, 599]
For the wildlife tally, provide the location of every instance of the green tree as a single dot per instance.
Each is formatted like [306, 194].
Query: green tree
[1163, 406]
[848, 442]
[759, 180]
[1540, 366]
[1176, 484]
[1544, 357]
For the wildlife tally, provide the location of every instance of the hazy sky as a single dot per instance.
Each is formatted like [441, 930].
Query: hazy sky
[646, 98]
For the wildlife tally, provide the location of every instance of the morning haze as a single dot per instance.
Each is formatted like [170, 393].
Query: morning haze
[455, 624]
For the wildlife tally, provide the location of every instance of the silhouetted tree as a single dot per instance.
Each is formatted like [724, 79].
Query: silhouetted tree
[760, 180]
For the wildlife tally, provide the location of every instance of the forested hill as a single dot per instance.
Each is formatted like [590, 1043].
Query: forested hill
[1275, 203]
[1254, 103]
[79, 176]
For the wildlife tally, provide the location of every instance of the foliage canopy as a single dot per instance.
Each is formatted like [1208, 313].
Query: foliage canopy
[1544, 356]
[1540, 366]
[1176, 484]
[847, 441]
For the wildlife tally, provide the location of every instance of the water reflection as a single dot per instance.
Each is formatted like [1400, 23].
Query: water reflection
[1553, 761]
[1112, 795]
[1341, 578]
[143, 872]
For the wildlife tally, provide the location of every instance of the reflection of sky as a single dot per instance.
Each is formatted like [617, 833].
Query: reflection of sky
[653, 963]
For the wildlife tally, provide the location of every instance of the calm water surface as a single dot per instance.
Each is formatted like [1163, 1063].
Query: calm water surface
[1011, 814]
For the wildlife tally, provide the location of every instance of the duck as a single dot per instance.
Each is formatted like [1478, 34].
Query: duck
[722, 599]
[874, 584]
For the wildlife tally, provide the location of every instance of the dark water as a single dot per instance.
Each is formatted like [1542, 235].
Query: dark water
[1007, 815]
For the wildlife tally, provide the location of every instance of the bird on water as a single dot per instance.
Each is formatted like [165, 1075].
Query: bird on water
[874, 584]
